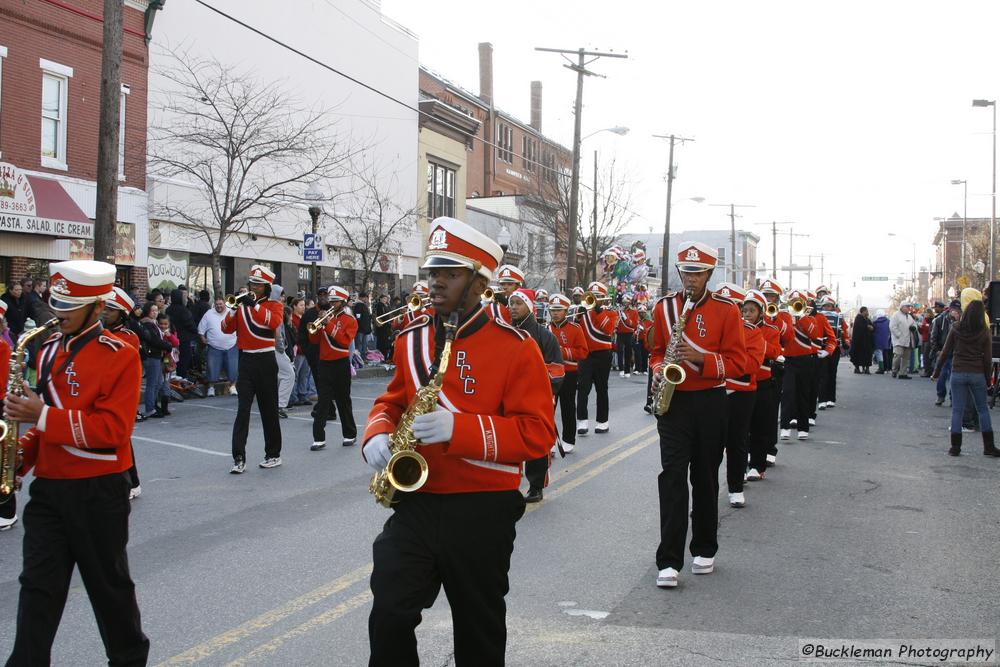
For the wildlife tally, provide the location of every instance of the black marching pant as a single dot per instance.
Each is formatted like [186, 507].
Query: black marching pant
[82, 522]
[763, 425]
[777, 385]
[797, 398]
[257, 376]
[8, 506]
[133, 472]
[566, 403]
[313, 361]
[334, 384]
[828, 377]
[692, 437]
[641, 357]
[739, 407]
[625, 352]
[594, 371]
[462, 541]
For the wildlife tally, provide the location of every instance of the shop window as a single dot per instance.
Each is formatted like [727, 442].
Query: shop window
[440, 191]
[55, 85]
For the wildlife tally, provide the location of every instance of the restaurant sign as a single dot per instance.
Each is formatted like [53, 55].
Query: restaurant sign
[35, 205]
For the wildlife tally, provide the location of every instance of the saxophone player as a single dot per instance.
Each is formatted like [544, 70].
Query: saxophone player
[693, 431]
[78, 509]
[494, 413]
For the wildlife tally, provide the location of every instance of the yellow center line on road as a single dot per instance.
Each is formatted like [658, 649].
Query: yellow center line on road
[268, 619]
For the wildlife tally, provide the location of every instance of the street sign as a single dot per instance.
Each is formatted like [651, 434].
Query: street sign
[312, 247]
[876, 279]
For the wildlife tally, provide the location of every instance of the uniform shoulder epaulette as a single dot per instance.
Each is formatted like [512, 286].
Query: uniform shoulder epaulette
[419, 321]
[112, 342]
[773, 326]
[668, 295]
[53, 338]
[520, 333]
[722, 299]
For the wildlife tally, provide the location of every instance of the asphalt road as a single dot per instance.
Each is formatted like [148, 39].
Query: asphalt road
[866, 531]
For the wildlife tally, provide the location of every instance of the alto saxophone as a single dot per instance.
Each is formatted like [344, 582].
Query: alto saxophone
[10, 452]
[406, 470]
[672, 373]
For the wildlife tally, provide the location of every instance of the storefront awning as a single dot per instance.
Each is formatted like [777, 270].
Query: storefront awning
[34, 205]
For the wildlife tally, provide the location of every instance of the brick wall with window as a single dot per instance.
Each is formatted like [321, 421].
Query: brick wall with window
[50, 79]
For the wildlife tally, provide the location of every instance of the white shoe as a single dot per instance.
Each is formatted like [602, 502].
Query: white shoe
[211, 391]
[232, 389]
[628, 375]
[702, 565]
[812, 422]
[771, 458]
[602, 427]
[821, 406]
[622, 374]
[737, 500]
[568, 447]
[270, 462]
[786, 433]
[793, 422]
[803, 435]
[831, 404]
[135, 492]
[667, 578]
[582, 427]
[753, 475]
[7, 524]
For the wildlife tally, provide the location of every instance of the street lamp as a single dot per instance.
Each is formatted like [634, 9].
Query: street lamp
[965, 208]
[503, 239]
[314, 196]
[993, 210]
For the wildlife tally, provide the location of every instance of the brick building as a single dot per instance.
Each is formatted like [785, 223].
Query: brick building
[510, 158]
[949, 275]
[50, 78]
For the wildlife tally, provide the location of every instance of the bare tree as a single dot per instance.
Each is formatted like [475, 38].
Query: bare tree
[371, 222]
[247, 145]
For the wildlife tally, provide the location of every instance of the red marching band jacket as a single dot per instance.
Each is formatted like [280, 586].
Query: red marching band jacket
[335, 338]
[754, 340]
[645, 326]
[783, 321]
[498, 311]
[85, 430]
[804, 330]
[714, 327]
[254, 325]
[827, 339]
[572, 343]
[599, 329]
[498, 387]
[4, 367]
[628, 321]
[772, 349]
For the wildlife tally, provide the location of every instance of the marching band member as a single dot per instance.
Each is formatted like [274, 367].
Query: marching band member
[573, 347]
[824, 343]
[693, 432]
[510, 278]
[576, 311]
[419, 289]
[78, 509]
[598, 325]
[828, 377]
[628, 323]
[800, 371]
[333, 380]
[495, 414]
[254, 320]
[741, 392]
[312, 350]
[773, 292]
[8, 504]
[542, 306]
[521, 303]
[764, 419]
[116, 321]
[645, 339]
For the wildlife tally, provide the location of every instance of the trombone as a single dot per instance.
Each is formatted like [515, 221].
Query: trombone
[414, 303]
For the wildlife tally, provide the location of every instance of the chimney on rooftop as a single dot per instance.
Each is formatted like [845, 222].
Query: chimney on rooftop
[486, 72]
[536, 105]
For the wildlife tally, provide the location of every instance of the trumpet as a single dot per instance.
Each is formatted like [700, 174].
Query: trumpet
[771, 310]
[489, 296]
[247, 297]
[797, 307]
[319, 323]
[590, 301]
[414, 303]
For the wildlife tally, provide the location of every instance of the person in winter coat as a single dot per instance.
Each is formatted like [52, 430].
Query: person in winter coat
[902, 328]
[151, 349]
[17, 309]
[970, 348]
[286, 372]
[183, 322]
[862, 342]
[883, 342]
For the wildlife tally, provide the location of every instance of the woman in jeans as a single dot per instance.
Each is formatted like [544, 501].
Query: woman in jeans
[151, 349]
[970, 347]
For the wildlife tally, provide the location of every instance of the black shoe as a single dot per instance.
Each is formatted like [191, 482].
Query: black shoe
[648, 409]
[534, 496]
[156, 415]
[857, 371]
[282, 413]
[904, 377]
[880, 372]
[868, 371]
[163, 407]
[956, 444]
[139, 417]
[988, 448]
[940, 401]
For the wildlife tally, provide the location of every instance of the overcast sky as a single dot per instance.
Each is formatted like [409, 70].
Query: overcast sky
[849, 118]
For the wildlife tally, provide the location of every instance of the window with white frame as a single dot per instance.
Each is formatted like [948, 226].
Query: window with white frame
[121, 132]
[440, 190]
[55, 85]
[505, 143]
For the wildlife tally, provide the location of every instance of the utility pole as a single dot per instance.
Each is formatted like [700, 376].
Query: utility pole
[791, 237]
[106, 214]
[665, 259]
[774, 244]
[732, 235]
[580, 67]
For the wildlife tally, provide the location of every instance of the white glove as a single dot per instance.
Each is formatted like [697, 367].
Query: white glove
[780, 359]
[823, 354]
[377, 451]
[434, 427]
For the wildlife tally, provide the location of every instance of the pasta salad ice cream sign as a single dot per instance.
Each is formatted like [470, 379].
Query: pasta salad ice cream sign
[34, 205]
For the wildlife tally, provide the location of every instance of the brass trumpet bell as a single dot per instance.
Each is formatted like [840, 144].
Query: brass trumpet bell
[771, 310]
[489, 296]
[797, 307]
